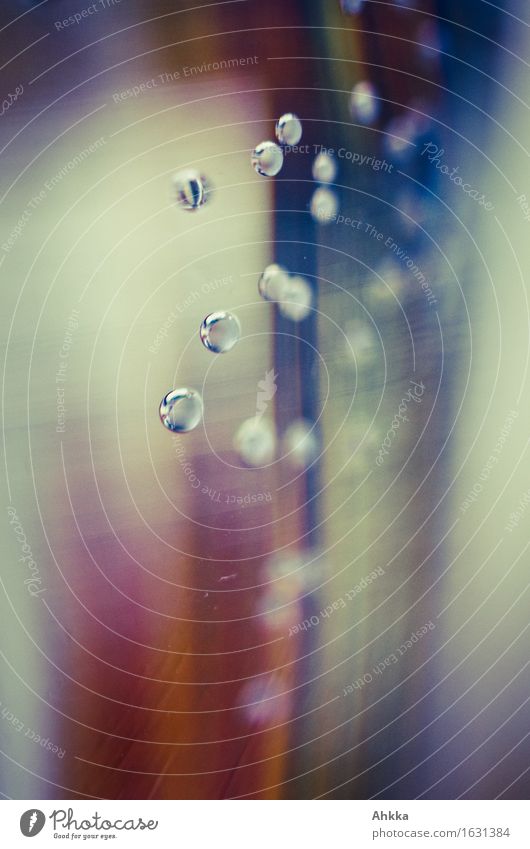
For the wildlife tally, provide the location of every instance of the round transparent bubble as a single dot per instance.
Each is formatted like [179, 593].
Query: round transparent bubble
[300, 444]
[324, 168]
[289, 129]
[267, 159]
[351, 7]
[255, 441]
[220, 331]
[181, 410]
[365, 105]
[191, 189]
[273, 282]
[297, 299]
[324, 205]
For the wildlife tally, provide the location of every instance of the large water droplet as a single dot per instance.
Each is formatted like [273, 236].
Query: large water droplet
[289, 129]
[324, 205]
[181, 410]
[297, 299]
[220, 331]
[191, 189]
[273, 282]
[255, 441]
[324, 168]
[267, 159]
[364, 103]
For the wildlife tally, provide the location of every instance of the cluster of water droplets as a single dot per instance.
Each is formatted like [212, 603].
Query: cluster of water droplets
[267, 157]
[181, 410]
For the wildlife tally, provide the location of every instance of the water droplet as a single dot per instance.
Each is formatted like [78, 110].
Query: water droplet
[267, 159]
[289, 129]
[181, 410]
[364, 103]
[300, 444]
[297, 299]
[273, 282]
[351, 7]
[255, 441]
[191, 189]
[220, 331]
[324, 168]
[324, 205]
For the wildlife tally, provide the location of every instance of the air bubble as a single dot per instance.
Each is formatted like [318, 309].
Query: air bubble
[267, 159]
[220, 331]
[191, 190]
[255, 441]
[364, 103]
[324, 205]
[324, 168]
[297, 299]
[273, 282]
[289, 129]
[181, 410]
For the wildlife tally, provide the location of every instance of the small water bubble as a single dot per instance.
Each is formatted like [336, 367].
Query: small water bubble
[289, 129]
[191, 189]
[181, 410]
[267, 159]
[300, 444]
[364, 103]
[220, 331]
[273, 282]
[324, 168]
[255, 441]
[324, 205]
[297, 299]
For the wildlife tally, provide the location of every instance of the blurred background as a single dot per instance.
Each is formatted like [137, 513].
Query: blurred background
[319, 591]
